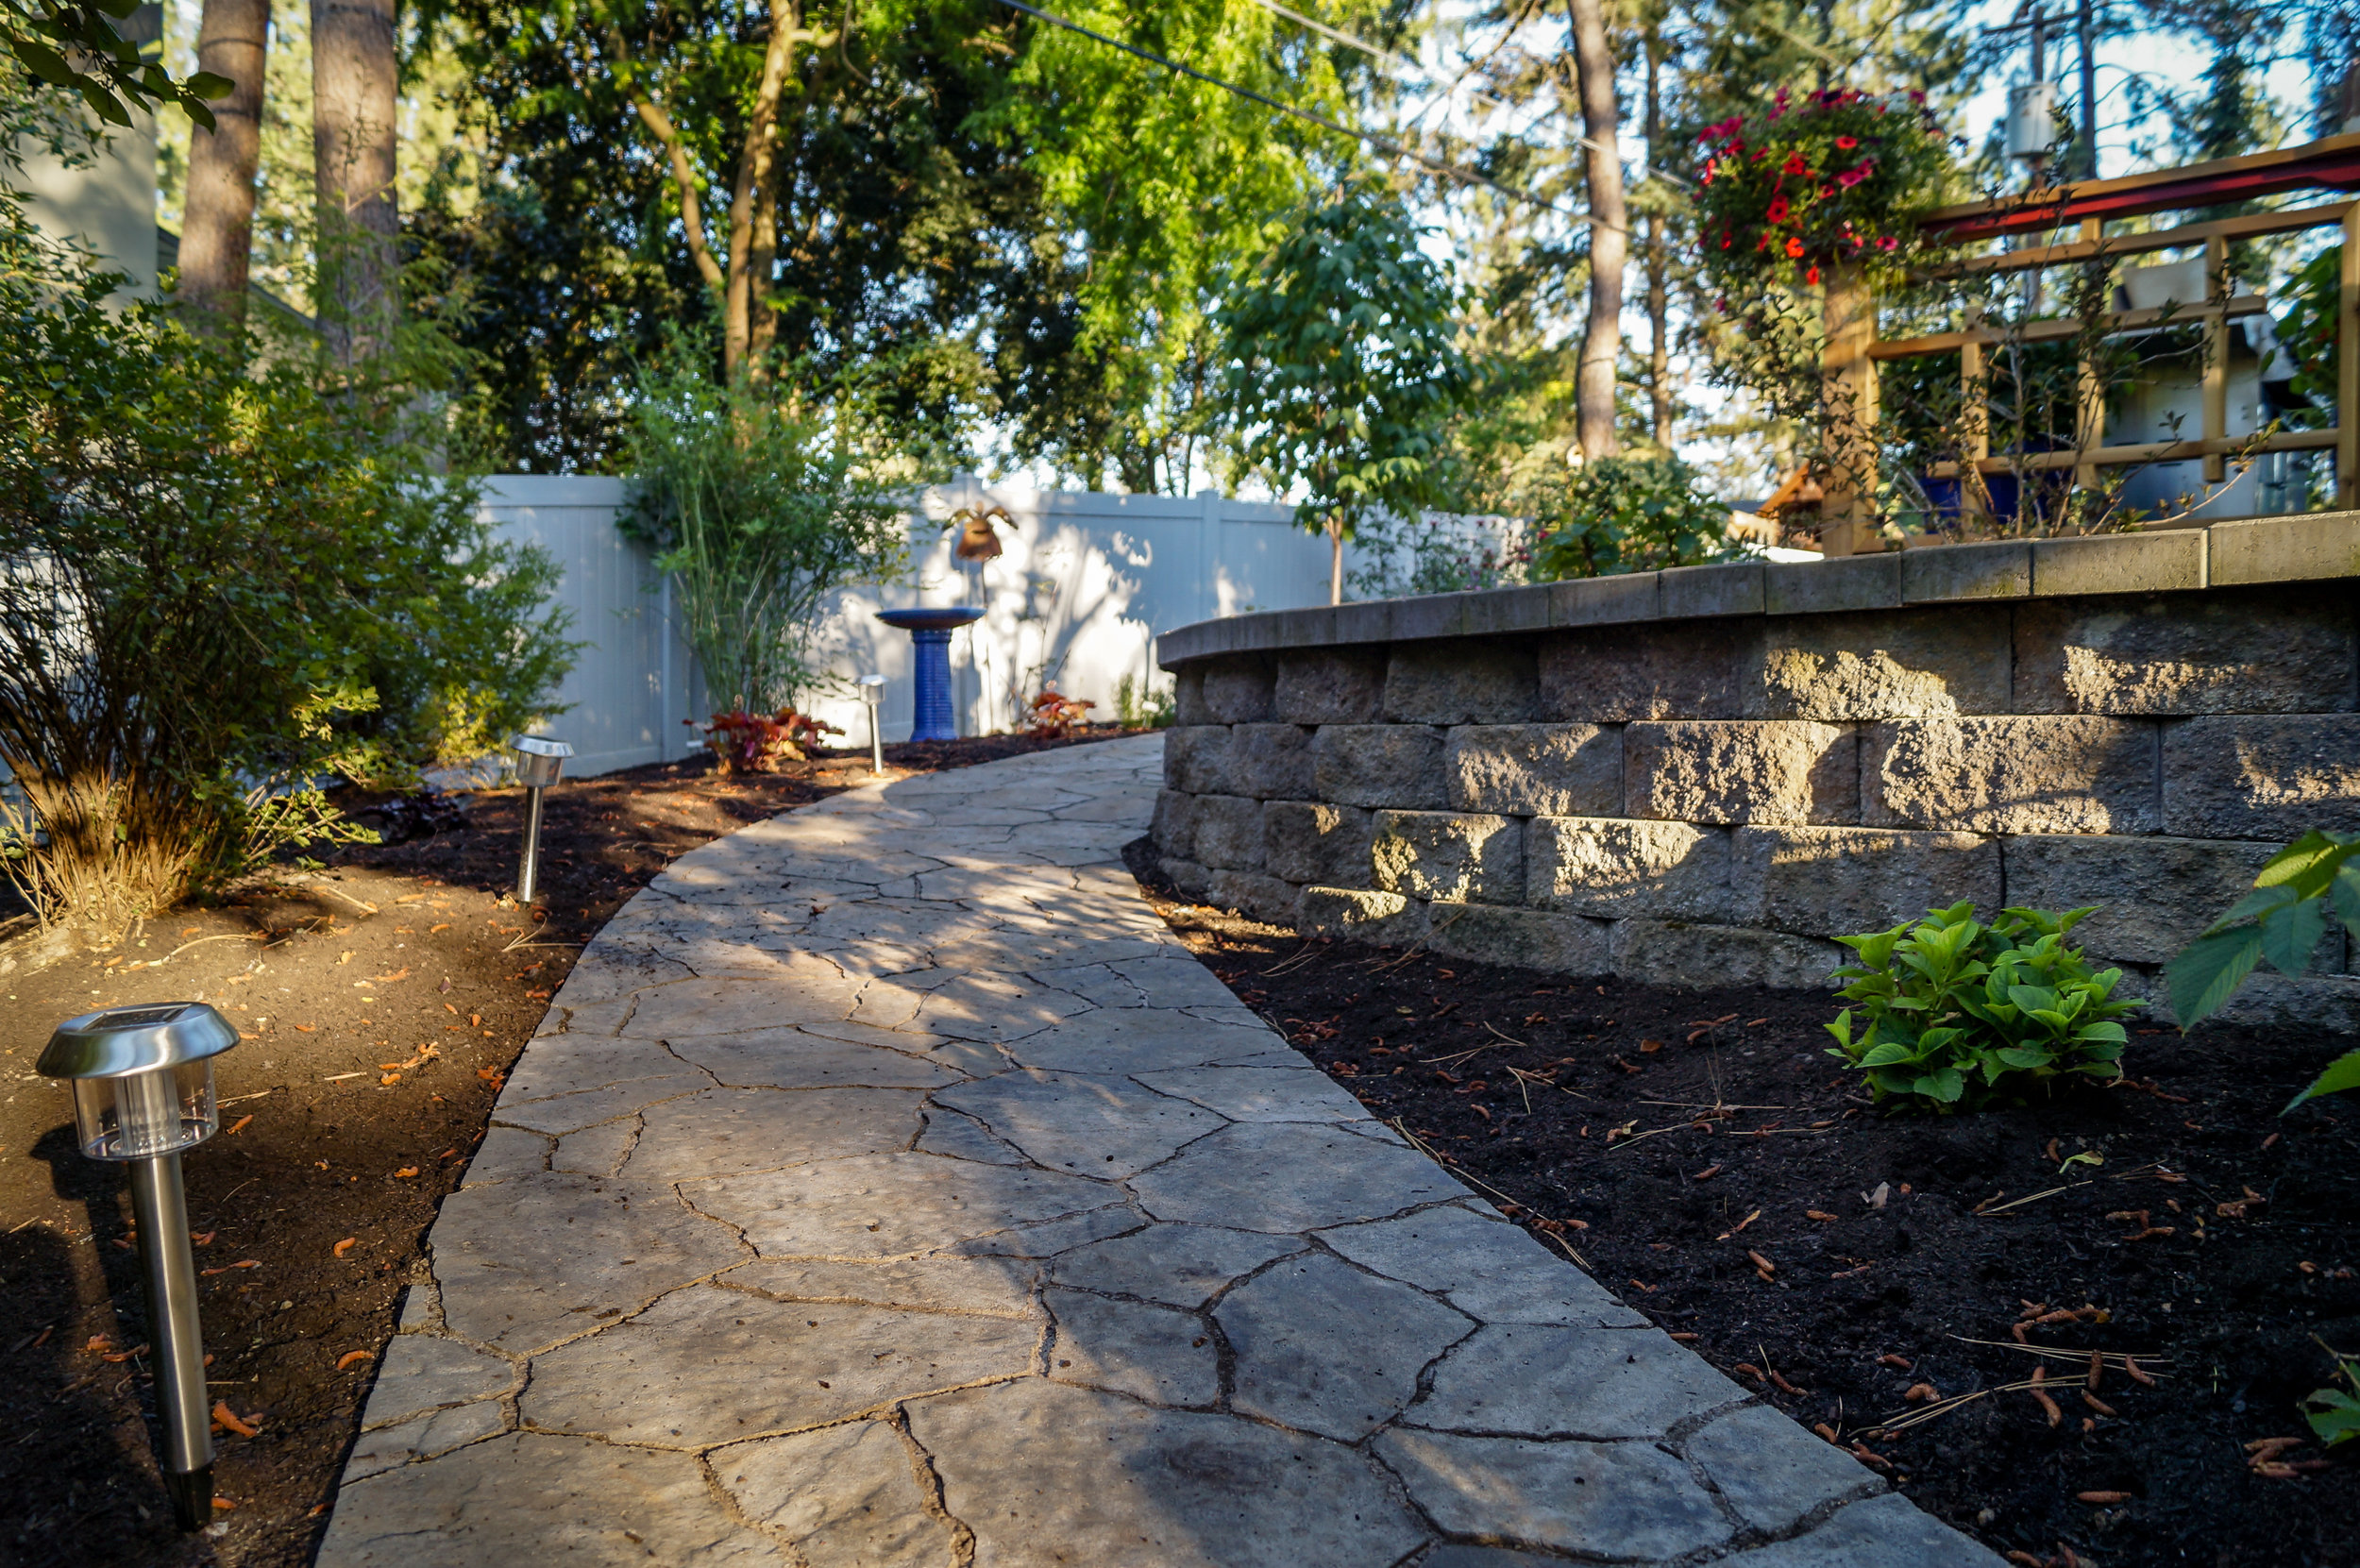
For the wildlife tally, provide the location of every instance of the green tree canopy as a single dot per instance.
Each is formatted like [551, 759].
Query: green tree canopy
[1344, 367]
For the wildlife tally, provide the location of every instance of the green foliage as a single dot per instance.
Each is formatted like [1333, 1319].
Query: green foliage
[2312, 880]
[75, 46]
[1836, 176]
[1139, 705]
[757, 513]
[2307, 331]
[224, 578]
[1959, 1012]
[2335, 1415]
[1343, 365]
[1625, 514]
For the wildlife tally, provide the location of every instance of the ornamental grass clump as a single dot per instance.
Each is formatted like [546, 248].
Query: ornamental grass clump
[1959, 1014]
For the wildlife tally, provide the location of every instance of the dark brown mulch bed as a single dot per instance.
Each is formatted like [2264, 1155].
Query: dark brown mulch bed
[1678, 1136]
[337, 1126]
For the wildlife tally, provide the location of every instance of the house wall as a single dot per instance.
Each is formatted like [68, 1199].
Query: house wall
[1704, 776]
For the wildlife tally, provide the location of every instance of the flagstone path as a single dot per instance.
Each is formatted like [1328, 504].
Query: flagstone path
[888, 1187]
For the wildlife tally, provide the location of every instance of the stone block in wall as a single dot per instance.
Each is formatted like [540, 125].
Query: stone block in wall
[1175, 830]
[1309, 841]
[1842, 882]
[2155, 894]
[1842, 583]
[1331, 685]
[1734, 588]
[1607, 868]
[1186, 876]
[1253, 895]
[2279, 550]
[1674, 952]
[1742, 770]
[1379, 764]
[1271, 761]
[2068, 774]
[1523, 939]
[1238, 689]
[1535, 770]
[2273, 777]
[1188, 694]
[1463, 856]
[1691, 670]
[2249, 652]
[1228, 832]
[1939, 573]
[1384, 919]
[1196, 759]
[2159, 562]
[1460, 683]
[1918, 663]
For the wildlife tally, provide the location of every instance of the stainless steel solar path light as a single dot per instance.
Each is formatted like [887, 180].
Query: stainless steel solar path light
[873, 693]
[539, 760]
[143, 1083]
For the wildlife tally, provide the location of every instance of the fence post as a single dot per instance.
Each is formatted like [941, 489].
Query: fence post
[1848, 394]
[2347, 368]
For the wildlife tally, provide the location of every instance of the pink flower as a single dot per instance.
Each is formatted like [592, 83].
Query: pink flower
[1851, 177]
[1887, 242]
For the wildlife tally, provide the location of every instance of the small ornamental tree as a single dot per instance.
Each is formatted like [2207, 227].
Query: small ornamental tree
[1344, 368]
[1836, 177]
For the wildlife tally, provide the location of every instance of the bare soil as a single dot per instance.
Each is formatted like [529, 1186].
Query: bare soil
[382, 999]
[1705, 1158]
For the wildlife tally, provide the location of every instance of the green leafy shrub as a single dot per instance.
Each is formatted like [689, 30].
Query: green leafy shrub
[1959, 1013]
[1139, 705]
[2335, 1415]
[1625, 514]
[224, 579]
[2312, 880]
[757, 511]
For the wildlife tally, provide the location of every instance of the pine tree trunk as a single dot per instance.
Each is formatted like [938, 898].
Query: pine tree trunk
[1609, 231]
[1334, 560]
[354, 70]
[217, 229]
[1659, 294]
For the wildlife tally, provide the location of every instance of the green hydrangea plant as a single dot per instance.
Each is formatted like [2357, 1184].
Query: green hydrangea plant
[1958, 1013]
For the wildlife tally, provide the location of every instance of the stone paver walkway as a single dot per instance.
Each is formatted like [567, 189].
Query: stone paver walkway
[888, 1187]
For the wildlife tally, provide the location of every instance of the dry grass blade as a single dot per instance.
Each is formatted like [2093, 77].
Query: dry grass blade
[1300, 956]
[2030, 1198]
[2078, 1358]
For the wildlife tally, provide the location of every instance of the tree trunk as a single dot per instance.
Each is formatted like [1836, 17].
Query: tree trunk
[217, 229]
[1334, 560]
[1609, 231]
[354, 69]
[1659, 293]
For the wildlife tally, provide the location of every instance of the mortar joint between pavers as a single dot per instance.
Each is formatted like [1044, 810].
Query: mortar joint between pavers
[930, 1487]
[727, 1502]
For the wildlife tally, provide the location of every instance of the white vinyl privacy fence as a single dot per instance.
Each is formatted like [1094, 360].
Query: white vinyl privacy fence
[1086, 581]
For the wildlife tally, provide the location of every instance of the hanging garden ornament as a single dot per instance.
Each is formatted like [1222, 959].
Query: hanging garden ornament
[978, 540]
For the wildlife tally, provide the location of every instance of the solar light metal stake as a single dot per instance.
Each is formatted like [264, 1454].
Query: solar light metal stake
[873, 693]
[143, 1080]
[539, 760]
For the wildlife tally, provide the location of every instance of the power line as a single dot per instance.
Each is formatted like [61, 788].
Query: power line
[1382, 143]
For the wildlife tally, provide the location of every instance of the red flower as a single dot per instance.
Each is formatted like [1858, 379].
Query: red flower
[1888, 243]
[1778, 209]
[1847, 143]
[1811, 276]
[1794, 246]
[1795, 164]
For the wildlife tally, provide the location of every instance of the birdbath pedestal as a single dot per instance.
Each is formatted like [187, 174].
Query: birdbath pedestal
[930, 631]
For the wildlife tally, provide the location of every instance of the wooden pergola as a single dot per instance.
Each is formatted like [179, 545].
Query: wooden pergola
[1853, 350]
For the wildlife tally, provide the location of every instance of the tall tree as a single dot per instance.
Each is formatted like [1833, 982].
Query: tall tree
[1653, 53]
[355, 74]
[1610, 228]
[1344, 368]
[217, 231]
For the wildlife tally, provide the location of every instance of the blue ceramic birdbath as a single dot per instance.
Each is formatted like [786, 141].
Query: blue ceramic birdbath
[930, 630]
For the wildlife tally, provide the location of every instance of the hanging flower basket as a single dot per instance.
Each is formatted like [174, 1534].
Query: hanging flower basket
[1829, 177]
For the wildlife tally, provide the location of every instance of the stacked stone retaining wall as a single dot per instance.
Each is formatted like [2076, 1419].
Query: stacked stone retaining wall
[1704, 776]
